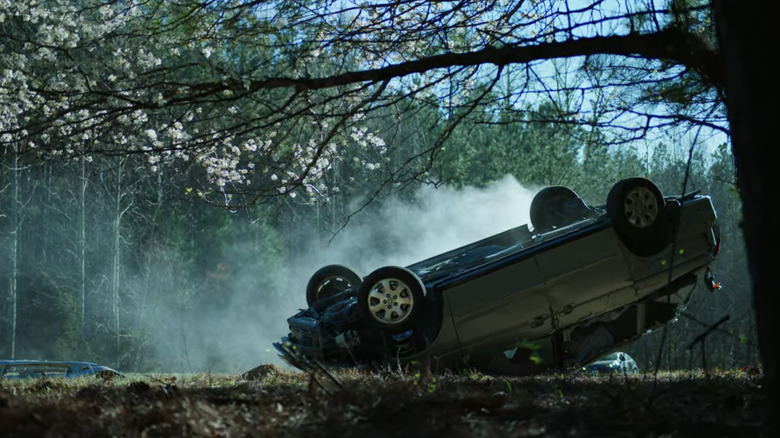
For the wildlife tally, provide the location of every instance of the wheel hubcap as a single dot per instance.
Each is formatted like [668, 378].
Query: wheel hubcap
[390, 301]
[640, 207]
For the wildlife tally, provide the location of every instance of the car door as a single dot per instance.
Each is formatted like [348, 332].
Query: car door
[585, 277]
[498, 308]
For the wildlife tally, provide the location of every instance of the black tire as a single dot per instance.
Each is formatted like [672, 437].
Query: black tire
[329, 281]
[555, 207]
[391, 299]
[637, 210]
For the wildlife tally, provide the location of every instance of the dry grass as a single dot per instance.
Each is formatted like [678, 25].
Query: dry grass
[277, 402]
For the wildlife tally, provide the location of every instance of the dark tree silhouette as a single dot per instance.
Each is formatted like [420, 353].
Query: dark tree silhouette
[752, 94]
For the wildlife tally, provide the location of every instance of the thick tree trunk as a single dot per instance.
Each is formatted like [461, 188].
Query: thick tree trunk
[748, 32]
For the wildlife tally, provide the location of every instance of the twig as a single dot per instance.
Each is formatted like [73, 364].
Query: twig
[700, 340]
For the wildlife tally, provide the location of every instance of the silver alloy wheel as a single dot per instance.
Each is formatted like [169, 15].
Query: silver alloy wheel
[640, 207]
[390, 301]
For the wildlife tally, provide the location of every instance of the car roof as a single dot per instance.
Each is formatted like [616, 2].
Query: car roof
[614, 355]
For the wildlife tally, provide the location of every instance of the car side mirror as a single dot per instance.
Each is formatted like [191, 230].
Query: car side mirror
[709, 281]
[621, 358]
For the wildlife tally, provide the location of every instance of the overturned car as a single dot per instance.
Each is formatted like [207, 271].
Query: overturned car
[578, 283]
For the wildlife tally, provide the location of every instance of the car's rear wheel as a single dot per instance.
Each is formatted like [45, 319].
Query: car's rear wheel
[391, 299]
[555, 207]
[636, 208]
[329, 281]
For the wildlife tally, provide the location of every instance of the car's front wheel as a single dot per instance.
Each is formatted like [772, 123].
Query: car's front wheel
[636, 207]
[391, 298]
[329, 281]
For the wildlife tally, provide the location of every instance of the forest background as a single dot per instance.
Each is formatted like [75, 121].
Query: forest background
[122, 266]
[157, 215]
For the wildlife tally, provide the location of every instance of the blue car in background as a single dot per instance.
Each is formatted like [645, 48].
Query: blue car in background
[26, 369]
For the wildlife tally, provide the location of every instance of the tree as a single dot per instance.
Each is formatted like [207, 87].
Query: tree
[15, 229]
[230, 84]
[752, 96]
[263, 94]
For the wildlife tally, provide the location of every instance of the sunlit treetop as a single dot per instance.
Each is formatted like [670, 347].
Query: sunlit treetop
[267, 96]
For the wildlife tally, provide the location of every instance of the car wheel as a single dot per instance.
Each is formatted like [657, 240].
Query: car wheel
[636, 208]
[329, 281]
[556, 206]
[391, 298]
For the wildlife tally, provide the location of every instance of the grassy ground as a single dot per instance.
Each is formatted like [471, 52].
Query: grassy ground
[275, 402]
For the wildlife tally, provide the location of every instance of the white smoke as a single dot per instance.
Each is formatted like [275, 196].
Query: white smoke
[439, 220]
[398, 233]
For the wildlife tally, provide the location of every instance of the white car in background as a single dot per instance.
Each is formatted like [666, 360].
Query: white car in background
[617, 362]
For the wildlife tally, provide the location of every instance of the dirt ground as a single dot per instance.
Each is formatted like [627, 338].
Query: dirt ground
[275, 402]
